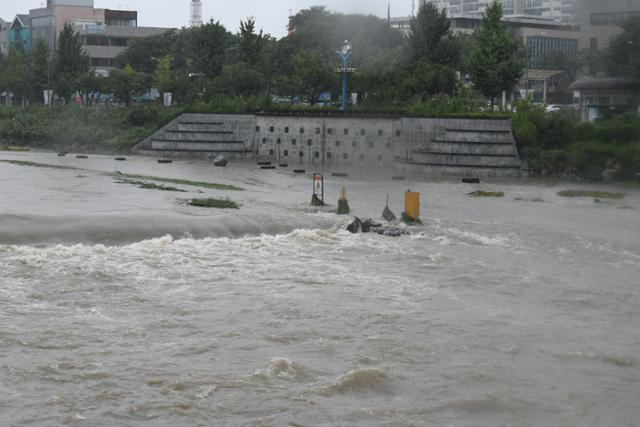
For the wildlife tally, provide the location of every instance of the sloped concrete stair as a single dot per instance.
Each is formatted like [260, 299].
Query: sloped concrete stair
[195, 135]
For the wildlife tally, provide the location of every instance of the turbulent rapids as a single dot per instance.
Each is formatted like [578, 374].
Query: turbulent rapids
[124, 306]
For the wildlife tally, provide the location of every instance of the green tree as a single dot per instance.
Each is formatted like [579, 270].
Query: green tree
[497, 60]
[625, 48]
[312, 74]
[126, 84]
[163, 76]
[15, 77]
[71, 62]
[40, 69]
[207, 49]
[251, 43]
[434, 52]
[90, 86]
[240, 79]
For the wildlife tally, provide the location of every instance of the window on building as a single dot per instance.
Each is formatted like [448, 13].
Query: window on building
[354, 144]
[286, 153]
[398, 133]
[271, 129]
[301, 154]
[337, 143]
[346, 131]
[286, 129]
[309, 142]
[118, 41]
[345, 156]
[293, 141]
[301, 131]
[316, 154]
[330, 131]
[380, 132]
[388, 145]
[363, 132]
[317, 131]
[278, 141]
[371, 145]
[271, 152]
[264, 140]
[328, 154]
[257, 128]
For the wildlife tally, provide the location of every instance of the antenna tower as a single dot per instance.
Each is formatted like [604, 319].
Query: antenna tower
[196, 13]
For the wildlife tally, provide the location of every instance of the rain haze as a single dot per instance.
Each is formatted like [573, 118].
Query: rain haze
[271, 16]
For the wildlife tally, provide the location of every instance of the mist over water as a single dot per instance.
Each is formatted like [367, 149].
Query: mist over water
[124, 306]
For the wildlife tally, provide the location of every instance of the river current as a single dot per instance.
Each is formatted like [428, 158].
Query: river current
[124, 306]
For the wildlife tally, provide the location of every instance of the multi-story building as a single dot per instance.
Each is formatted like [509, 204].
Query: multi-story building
[600, 21]
[19, 32]
[105, 32]
[542, 37]
[4, 37]
[558, 10]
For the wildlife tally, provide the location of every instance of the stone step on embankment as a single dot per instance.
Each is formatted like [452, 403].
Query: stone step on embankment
[470, 135]
[160, 144]
[472, 147]
[200, 126]
[459, 170]
[464, 159]
[176, 135]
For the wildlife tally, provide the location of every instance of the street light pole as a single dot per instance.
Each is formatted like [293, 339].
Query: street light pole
[345, 54]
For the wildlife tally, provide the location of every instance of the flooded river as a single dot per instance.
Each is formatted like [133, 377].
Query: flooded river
[125, 306]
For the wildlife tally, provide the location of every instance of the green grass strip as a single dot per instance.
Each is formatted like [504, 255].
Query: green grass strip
[209, 185]
[487, 194]
[213, 203]
[150, 186]
[592, 194]
[13, 148]
[38, 165]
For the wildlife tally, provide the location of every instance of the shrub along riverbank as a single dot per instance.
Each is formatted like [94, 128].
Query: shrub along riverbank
[553, 144]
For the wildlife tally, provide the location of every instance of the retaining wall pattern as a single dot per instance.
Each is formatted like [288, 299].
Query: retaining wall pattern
[461, 147]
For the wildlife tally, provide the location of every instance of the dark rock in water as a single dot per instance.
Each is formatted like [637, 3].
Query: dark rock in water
[315, 201]
[82, 156]
[391, 231]
[299, 171]
[264, 163]
[471, 180]
[368, 225]
[410, 221]
[267, 167]
[62, 154]
[340, 174]
[355, 227]
[120, 159]
[284, 165]
[388, 215]
[165, 162]
[220, 161]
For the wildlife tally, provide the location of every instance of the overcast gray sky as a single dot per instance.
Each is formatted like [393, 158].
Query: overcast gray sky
[271, 15]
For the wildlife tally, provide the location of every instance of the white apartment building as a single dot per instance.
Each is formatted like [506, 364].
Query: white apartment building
[557, 10]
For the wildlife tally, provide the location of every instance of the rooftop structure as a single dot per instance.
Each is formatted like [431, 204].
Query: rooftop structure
[557, 10]
[196, 14]
[105, 32]
[4, 37]
[600, 21]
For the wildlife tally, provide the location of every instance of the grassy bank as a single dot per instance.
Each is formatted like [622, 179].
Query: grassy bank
[553, 144]
[557, 144]
[76, 128]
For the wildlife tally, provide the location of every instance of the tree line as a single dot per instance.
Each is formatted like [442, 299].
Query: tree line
[210, 62]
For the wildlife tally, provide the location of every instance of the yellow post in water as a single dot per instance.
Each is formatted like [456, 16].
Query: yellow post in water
[412, 205]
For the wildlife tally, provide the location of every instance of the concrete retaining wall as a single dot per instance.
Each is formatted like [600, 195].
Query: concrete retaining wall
[432, 146]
